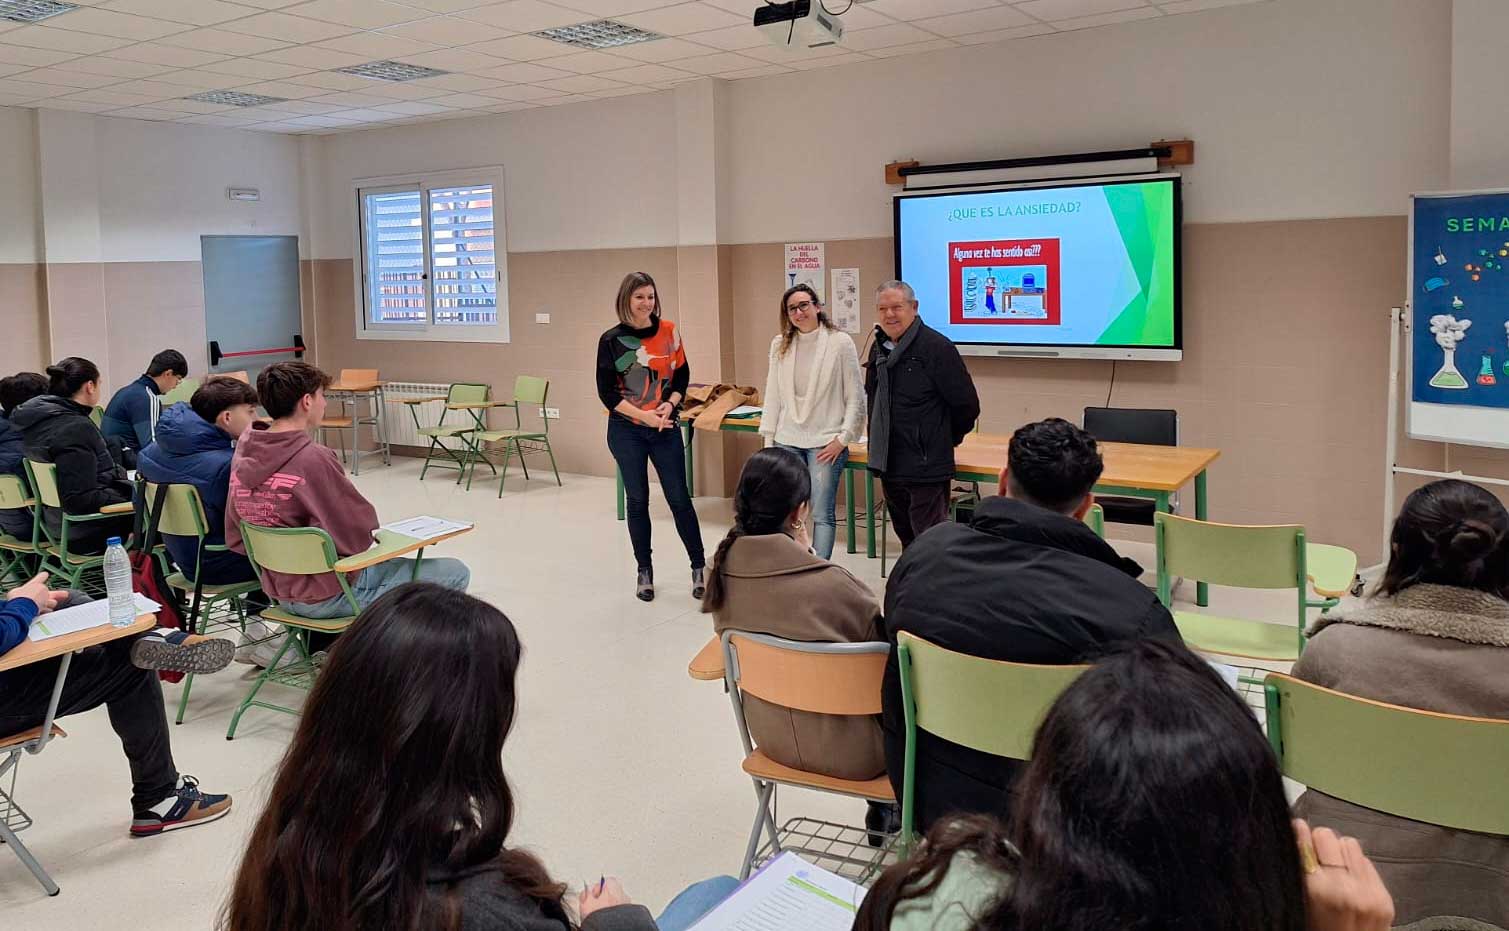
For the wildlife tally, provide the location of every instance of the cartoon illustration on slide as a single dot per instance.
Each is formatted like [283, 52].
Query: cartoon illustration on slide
[1449, 331]
[1016, 294]
[990, 294]
[1004, 281]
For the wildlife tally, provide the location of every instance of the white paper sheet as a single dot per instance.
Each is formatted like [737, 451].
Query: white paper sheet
[747, 410]
[788, 894]
[82, 617]
[424, 528]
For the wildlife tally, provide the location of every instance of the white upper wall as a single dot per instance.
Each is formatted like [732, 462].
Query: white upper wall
[1298, 108]
[18, 186]
[588, 176]
[1479, 117]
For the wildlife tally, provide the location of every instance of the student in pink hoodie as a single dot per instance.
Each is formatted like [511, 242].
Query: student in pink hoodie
[280, 477]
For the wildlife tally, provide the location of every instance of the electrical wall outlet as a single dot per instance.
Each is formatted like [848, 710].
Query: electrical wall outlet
[541, 318]
[550, 413]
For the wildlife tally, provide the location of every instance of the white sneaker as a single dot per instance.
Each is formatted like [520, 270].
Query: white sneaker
[251, 641]
[262, 654]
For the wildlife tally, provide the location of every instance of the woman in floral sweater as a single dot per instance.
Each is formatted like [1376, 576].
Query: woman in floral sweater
[641, 378]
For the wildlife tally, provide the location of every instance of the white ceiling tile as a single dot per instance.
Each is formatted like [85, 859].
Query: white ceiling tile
[330, 119]
[961, 24]
[13, 69]
[1002, 35]
[81, 106]
[614, 8]
[781, 55]
[190, 106]
[351, 100]
[193, 12]
[147, 113]
[452, 59]
[309, 56]
[915, 48]
[120, 25]
[224, 42]
[1195, 6]
[287, 28]
[35, 57]
[256, 68]
[510, 107]
[366, 115]
[830, 61]
[521, 48]
[662, 50]
[114, 97]
[520, 92]
[730, 38]
[401, 90]
[152, 53]
[162, 90]
[447, 31]
[644, 74]
[622, 92]
[116, 67]
[590, 62]
[920, 9]
[456, 83]
[581, 84]
[1107, 19]
[329, 80]
[1068, 9]
[200, 78]
[523, 73]
[289, 89]
[234, 119]
[65, 78]
[375, 45]
[524, 15]
[856, 17]
[412, 108]
[762, 72]
[462, 101]
[447, 6]
[884, 37]
[34, 91]
[270, 4]
[61, 40]
[718, 63]
[363, 14]
[684, 18]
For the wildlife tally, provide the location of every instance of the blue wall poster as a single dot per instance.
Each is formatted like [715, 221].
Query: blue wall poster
[1459, 277]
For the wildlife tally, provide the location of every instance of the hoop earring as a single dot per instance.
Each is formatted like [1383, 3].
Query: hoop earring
[798, 526]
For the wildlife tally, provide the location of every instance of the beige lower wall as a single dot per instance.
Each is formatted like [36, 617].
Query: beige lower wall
[22, 307]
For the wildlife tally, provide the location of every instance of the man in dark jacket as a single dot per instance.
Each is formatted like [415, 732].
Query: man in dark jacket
[922, 404]
[1027, 581]
[132, 411]
[15, 391]
[194, 447]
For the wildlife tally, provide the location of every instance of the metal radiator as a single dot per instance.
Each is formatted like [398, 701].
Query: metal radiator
[400, 419]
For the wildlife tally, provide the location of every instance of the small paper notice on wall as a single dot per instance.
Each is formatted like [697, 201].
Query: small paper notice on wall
[844, 306]
[805, 264]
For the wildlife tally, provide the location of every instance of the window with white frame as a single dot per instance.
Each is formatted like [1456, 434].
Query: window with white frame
[434, 258]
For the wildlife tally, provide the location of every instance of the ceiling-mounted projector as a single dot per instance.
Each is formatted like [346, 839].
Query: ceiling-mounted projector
[798, 24]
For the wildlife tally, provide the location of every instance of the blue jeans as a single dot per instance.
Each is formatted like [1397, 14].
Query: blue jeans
[634, 447]
[697, 900]
[372, 582]
[825, 478]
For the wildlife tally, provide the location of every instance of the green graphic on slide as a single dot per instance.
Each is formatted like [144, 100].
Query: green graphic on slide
[1144, 216]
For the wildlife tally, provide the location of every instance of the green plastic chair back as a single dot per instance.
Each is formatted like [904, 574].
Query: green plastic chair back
[97, 415]
[986, 705]
[1096, 518]
[1226, 554]
[182, 511]
[290, 550]
[530, 389]
[466, 393]
[44, 478]
[13, 494]
[183, 392]
[1437, 768]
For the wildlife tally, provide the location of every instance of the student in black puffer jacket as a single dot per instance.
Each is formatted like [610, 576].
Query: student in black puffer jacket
[56, 428]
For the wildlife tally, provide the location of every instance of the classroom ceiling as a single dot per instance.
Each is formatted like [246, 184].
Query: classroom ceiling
[144, 59]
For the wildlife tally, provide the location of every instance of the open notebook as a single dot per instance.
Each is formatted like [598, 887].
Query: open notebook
[789, 894]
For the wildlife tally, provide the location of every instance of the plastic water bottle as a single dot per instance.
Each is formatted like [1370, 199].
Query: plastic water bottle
[118, 584]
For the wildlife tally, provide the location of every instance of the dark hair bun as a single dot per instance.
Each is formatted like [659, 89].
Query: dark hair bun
[56, 371]
[1468, 540]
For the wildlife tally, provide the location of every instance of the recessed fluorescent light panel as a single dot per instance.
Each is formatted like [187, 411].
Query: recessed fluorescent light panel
[392, 71]
[235, 98]
[604, 33]
[33, 11]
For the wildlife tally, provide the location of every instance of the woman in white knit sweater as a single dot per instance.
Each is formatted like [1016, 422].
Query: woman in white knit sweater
[814, 401]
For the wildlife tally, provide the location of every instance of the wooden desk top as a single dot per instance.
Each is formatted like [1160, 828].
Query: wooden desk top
[1128, 465]
[35, 651]
[355, 387]
[391, 546]
[707, 665]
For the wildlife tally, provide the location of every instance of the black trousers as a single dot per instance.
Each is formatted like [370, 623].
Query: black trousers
[101, 675]
[635, 447]
[915, 508]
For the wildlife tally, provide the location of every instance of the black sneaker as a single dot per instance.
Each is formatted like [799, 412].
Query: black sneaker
[882, 821]
[699, 587]
[185, 808]
[645, 588]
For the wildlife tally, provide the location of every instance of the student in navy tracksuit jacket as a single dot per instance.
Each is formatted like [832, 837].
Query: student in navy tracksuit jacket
[129, 415]
[194, 447]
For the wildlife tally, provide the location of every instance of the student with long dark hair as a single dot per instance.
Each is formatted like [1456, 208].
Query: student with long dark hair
[1435, 636]
[814, 401]
[642, 378]
[391, 810]
[56, 428]
[1152, 801]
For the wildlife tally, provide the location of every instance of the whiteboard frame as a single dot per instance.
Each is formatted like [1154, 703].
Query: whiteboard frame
[1478, 423]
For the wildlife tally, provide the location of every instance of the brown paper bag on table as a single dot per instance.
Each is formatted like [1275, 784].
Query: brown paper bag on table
[707, 405]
